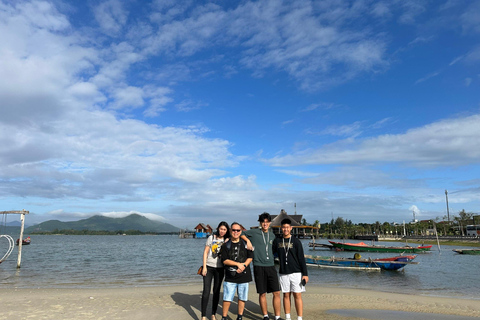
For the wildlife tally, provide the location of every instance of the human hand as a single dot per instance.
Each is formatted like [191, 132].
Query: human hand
[240, 267]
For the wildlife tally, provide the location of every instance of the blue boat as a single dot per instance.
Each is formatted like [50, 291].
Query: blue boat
[355, 264]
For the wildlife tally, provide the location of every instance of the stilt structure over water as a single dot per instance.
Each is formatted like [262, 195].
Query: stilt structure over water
[22, 227]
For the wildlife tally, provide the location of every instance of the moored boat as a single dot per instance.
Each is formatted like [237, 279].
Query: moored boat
[407, 258]
[467, 251]
[355, 264]
[320, 246]
[25, 241]
[361, 246]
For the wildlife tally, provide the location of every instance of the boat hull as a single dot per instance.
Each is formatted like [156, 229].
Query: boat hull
[468, 251]
[356, 264]
[367, 248]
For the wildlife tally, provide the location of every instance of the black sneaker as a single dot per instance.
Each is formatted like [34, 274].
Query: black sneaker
[240, 317]
[266, 318]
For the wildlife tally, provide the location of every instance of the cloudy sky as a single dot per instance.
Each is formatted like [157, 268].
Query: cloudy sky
[202, 111]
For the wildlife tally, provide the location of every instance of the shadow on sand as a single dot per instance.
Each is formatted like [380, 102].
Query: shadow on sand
[191, 303]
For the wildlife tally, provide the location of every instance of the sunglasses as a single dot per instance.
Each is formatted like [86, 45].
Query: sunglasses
[236, 230]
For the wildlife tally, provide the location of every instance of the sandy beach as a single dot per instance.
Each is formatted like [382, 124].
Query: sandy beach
[183, 302]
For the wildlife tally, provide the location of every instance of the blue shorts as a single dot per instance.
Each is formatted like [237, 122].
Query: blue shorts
[229, 289]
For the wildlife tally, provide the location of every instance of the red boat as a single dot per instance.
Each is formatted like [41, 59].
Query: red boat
[398, 258]
[25, 241]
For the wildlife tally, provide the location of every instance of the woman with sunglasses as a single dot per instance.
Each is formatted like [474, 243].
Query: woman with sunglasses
[213, 268]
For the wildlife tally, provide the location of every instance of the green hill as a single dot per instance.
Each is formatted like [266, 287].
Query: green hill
[101, 223]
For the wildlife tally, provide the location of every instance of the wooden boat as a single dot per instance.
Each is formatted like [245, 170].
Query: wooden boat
[320, 246]
[361, 246]
[355, 264]
[467, 251]
[398, 258]
[25, 241]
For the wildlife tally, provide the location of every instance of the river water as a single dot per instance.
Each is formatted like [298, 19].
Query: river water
[136, 261]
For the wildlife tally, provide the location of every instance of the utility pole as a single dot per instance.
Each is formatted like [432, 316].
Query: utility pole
[448, 212]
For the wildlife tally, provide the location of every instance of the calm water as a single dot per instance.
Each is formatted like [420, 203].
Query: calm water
[122, 261]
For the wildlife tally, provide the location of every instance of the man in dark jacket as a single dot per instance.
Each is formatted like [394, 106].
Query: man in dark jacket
[293, 269]
[236, 259]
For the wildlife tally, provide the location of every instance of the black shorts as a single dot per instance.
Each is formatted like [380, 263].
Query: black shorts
[266, 279]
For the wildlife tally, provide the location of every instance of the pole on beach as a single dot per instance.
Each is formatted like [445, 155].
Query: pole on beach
[448, 211]
[436, 234]
[20, 240]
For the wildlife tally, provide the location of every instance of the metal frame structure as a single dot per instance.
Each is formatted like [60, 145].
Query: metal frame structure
[22, 227]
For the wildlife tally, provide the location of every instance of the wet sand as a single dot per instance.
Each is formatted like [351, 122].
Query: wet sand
[183, 302]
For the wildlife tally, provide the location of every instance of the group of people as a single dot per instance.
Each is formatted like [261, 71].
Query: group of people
[230, 251]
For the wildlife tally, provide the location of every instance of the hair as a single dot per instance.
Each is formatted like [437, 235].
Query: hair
[227, 234]
[236, 223]
[286, 221]
[264, 216]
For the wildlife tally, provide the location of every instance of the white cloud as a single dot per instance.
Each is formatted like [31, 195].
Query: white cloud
[358, 177]
[123, 214]
[470, 19]
[321, 105]
[59, 138]
[428, 77]
[317, 51]
[381, 123]
[412, 9]
[128, 96]
[299, 173]
[414, 209]
[436, 144]
[189, 105]
[111, 16]
[350, 130]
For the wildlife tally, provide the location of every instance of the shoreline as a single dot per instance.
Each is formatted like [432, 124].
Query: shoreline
[183, 302]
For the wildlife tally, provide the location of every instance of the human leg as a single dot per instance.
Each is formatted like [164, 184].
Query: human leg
[217, 284]
[261, 281]
[273, 286]
[286, 302]
[225, 306]
[242, 298]
[229, 289]
[207, 284]
[276, 303]
[262, 301]
[298, 303]
[241, 307]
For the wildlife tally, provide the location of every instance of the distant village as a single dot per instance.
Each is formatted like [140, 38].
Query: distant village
[464, 225]
[298, 229]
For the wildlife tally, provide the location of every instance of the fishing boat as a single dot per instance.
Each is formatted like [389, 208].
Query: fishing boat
[361, 246]
[25, 241]
[355, 264]
[315, 246]
[467, 251]
[407, 258]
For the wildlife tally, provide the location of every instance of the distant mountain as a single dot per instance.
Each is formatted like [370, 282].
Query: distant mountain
[13, 231]
[14, 224]
[101, 223]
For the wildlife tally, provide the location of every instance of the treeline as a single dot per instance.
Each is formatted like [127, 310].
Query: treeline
[341, 228]
[100, 232]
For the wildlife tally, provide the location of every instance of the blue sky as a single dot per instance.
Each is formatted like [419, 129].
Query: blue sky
[190, 111]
